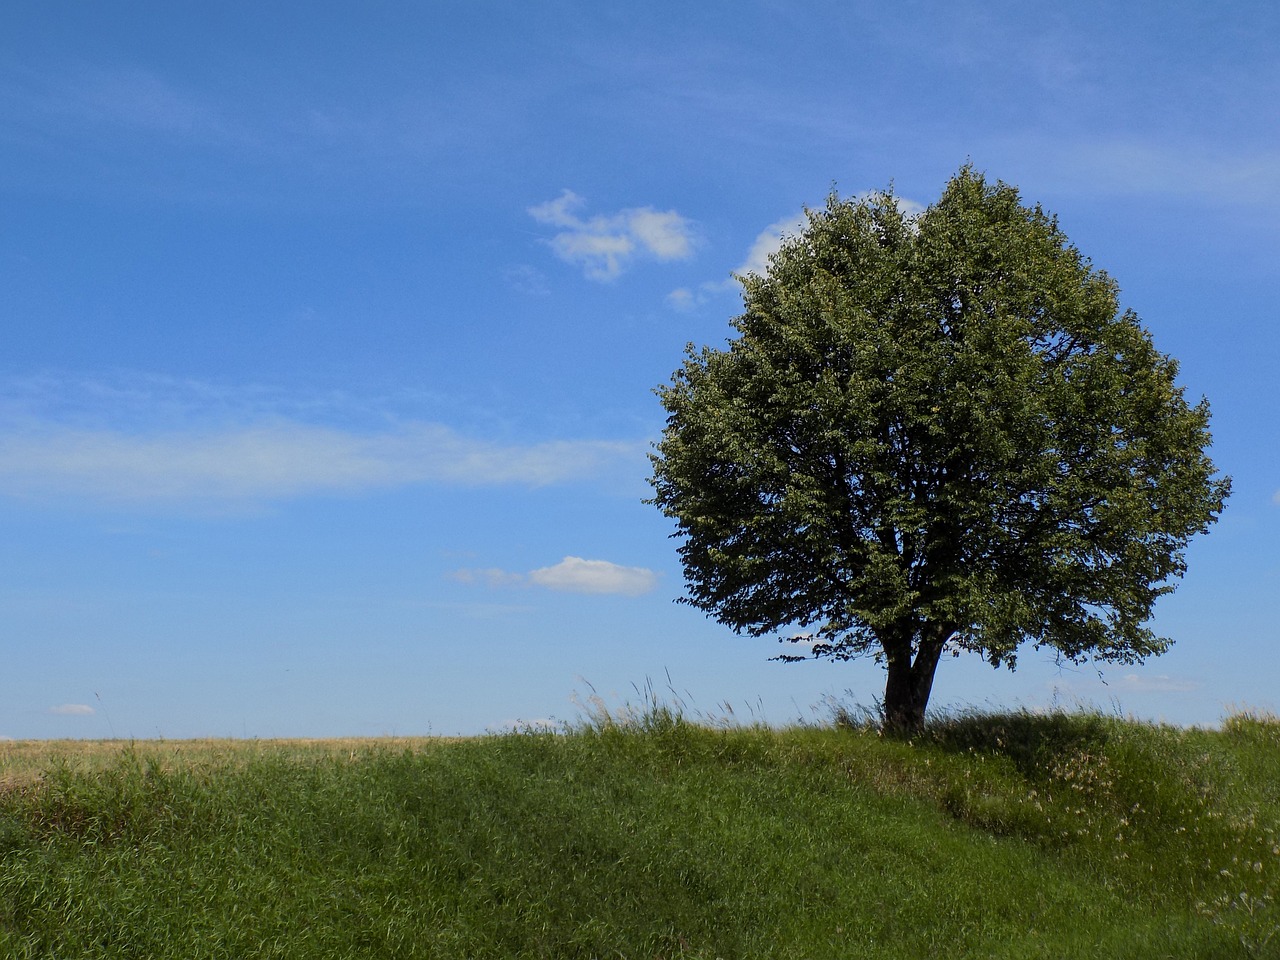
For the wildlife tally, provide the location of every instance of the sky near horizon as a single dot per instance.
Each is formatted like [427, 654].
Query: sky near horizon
[331, 331]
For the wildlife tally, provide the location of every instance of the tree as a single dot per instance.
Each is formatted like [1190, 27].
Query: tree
[935, 433]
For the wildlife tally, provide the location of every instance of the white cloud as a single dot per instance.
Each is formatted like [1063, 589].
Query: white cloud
[604, 246]
[665, 234]
[277, 458]
[575, 575]
[601, 256]
[72, 710]
[1275, 498]
[570, 575]
[910, 208]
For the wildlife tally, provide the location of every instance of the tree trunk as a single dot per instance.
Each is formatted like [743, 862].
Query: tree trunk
[910, 681]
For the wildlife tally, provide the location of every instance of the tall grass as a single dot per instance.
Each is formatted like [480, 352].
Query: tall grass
[643, 834]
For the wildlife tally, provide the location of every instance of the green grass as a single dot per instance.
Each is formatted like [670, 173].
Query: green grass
[1003, 836]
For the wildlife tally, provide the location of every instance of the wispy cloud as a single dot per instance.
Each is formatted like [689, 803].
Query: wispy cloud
[72, 710]
[683, 299]
[81, 99]
[1234, 177]
[157, 133]
[278, 459]
[1245, 177]
[605, 246]
[149, 440]
[490, 577]
[1156, 683]
[570, 575]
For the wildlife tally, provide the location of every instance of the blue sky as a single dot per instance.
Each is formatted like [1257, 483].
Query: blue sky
[330, 334]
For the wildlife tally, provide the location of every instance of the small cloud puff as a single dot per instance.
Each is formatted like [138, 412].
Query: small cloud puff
[684, 299]
[72, 710]
[527, 280]
[575, 575]
[604, 246]
[570, 575]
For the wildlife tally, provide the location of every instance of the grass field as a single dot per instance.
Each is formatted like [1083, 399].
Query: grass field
[1005, 836]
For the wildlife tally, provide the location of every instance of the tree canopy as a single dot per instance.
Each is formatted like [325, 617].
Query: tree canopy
[935, 433]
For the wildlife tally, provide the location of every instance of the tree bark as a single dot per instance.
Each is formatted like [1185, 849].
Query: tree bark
[910, 680]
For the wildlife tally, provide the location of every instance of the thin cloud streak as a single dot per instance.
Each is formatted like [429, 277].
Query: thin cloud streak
[1157, 683]
[83, 100]
[72, 710]
[279, 459]
[1245, 176]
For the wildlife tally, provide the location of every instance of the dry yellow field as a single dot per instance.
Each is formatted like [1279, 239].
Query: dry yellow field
[25, 761]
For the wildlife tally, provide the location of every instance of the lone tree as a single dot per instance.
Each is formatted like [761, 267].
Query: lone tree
[932, 434]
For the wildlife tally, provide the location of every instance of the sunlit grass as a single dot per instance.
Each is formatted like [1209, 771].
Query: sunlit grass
[637, 833]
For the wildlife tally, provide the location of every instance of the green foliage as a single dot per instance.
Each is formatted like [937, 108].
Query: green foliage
[935, 432]
[646, 835]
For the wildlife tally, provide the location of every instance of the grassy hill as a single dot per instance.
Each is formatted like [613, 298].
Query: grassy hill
[1005, 836]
